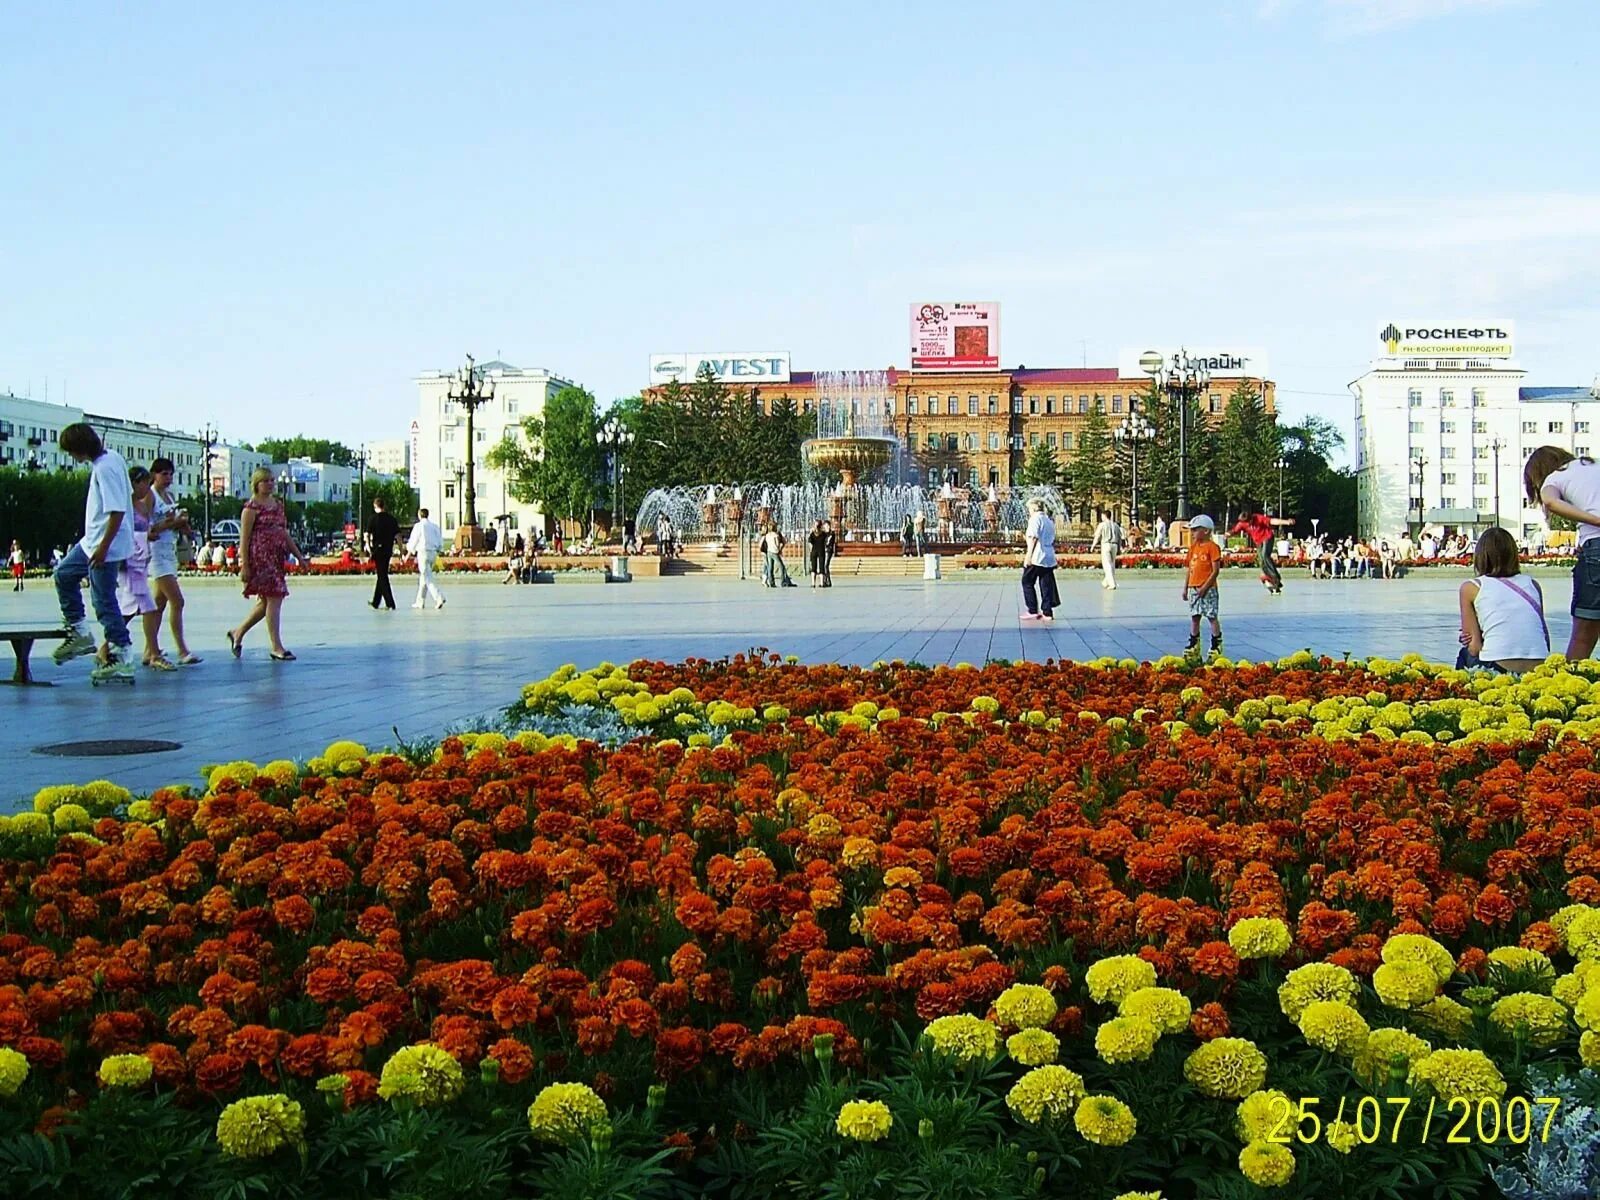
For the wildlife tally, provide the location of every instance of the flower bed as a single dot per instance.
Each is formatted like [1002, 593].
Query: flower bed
[1091, 929]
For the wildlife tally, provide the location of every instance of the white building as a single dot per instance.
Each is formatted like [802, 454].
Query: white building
[140, 443]
[231, 468]
[438, 460]
[29, 430]
[391, 456]
[1443, 426]
[315, 482]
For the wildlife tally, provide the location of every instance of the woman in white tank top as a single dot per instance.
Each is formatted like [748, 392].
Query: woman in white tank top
[1570, 487]
[1502, 610]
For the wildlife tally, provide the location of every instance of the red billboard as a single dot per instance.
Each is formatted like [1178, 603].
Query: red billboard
[955, 336]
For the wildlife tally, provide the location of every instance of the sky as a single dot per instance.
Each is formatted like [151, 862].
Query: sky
[274, 217]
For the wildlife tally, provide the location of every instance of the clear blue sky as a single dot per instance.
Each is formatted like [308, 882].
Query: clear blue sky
[275, 216]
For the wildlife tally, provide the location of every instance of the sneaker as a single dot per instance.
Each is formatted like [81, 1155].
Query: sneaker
[117, 669]
[1194, 645]
[77, 644]
[1216, 647]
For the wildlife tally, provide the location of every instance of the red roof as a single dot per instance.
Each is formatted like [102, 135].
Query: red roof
[1066, 375]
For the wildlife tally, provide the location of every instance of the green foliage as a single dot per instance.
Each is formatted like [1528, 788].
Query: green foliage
[556, 464]
[1041, 466]
[299, 446]
[1246, 447]
[42, 510]
[399, 499]
[325, 517]
[1088, 473]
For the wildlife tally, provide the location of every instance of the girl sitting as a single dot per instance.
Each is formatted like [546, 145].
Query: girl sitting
[1502, 610]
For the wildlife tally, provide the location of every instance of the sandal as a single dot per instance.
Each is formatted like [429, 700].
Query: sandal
[286, 656]
[160, 663]
[190, 660]
[235, 644]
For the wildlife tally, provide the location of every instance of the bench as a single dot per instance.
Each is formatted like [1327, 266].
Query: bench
[22, 641]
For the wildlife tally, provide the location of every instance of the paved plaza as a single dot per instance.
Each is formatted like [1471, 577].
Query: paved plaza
[365, 675]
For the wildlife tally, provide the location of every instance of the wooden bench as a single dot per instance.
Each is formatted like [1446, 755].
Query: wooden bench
[22, 641]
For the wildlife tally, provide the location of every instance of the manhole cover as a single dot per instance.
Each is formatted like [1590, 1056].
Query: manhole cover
[107, 748]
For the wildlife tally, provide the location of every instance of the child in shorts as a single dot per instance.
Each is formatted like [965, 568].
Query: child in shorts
[1200, 582]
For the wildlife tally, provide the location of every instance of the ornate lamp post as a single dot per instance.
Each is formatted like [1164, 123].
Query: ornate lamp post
[1133, 430]
[1495, 447]
[208, 439]
[613, 437]
[361, 495]
[1283, 465]
[1183, 379]
[458, 506]
[468, 390]
[1421, 465]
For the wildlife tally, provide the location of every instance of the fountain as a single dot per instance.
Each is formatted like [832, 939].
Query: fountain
[855, 436]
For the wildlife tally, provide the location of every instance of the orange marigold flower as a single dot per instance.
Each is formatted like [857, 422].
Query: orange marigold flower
[515, 1059]
[1209, 1021]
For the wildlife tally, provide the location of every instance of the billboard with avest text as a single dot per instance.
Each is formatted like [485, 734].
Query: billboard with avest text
[958, 335]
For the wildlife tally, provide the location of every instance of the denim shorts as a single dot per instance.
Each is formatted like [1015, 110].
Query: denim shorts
[1203, 604]
[1586, 582]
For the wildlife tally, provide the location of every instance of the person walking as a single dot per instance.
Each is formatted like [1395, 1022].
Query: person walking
[772, 565]
[107, 541]
[1569, 486]
[919, 529]
[1502, 611]
[1203, 567]
[168, 524]
[133, 580]
[830, 547]
[908, 538]
[1108, 538]
[383, 531]
[1159, 532]
[19, 565]
[264, 544]
[816, 553]
[424, 544]
[1039, 565]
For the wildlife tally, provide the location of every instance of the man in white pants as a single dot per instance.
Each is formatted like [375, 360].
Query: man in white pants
[1108, 536]
[424, 545]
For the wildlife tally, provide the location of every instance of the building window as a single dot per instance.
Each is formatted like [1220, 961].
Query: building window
[1016, 404]
[952, 443]
[1581, 451]
[511, 405]
[1477, 397]
[1414, 398]
[951, 404]
[1050, 440]
[449, 490]
[972, 406]
[1479, 479]
[933, 441]
[1033, 439]
[1216, 402]
[994, 404]
[1066, 441]
[1050, 404]
[1447, 399]
[1558, 426]
[1449, 477]
[1447, 451]
[888, 406]
[1416, 452]
[1447, 426]
[994, 439]
[1116, 404]
[1083, 404]
[1416, 427]
[1480, 452]
[1033, 406]
[1447, 501]
[911, 406]
[1580, 427]
[972, 440]
[1480, 427]
[1530, 427]
[1099, 403]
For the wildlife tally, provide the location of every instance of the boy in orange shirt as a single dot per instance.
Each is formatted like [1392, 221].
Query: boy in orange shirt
[1200, 583]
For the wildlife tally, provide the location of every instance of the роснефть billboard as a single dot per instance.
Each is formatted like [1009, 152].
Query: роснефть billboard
[958, 336]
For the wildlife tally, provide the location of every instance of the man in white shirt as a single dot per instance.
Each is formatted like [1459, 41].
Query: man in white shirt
[423, 545]
[107, 541]
[1108, 537]
[1039, 565]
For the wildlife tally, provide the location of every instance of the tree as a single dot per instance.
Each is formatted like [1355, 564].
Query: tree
[556, 464]
[1040, 467]
[1247, 443]
[43, 510]
[299, 446]
[1088, 474]
[324, 518]
[399, 500]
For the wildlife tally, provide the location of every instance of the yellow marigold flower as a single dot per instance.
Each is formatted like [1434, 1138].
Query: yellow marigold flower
[1544, 1017]
[1449, 1017]
[964, 1037]
[1523, 960]
[1260, 1113]
[1341, 1135]
[1305, 985]
[260, 1125]
[1569, 988]
[72, 818]
[1126, 1039]
[1334, 1027]
[28, 824]
[1561, 919]
[1405, 984]
[1417, 948]
[1137, 1196]
[985, 704]
[126, 1070]
[1226, 1068]
[1166, 1008]
[1025, 1006]
[1588, 1050]
[13, 1070]
[902, 877]
[1384, 1046]
[822, 827]
[422, 1073]
[239, 772]
[1586, 1012]
[1267, 1164]
[1033, 1047]
[1105, 1121]
[101, 796]
[47, 799]
[1259, 937]
[565, 1113]
[1110, 979]
[281, 771]
[1052, 1092]
[1468, 1074]
[859, 852]
[864, 1120]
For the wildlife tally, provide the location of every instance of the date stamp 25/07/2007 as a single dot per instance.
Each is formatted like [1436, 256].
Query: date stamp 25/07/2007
[1395, 1120]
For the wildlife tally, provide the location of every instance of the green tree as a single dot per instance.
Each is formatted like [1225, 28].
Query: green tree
[1040, 467]
[1246, 446]
[399, 500]
[1088, 473]
[556, 464]
[43, 510]
[300, 446]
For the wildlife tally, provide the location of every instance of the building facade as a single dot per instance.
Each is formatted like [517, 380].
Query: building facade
[1441, 437]
[439, 458]
[141, 443]
[309, 482]
[29, 430]
[389, 456]
[231, 468]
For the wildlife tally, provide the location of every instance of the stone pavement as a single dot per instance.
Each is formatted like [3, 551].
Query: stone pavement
[367, 675]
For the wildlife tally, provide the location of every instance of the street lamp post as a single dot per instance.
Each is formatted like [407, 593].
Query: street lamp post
[1183, 379]
[361, 496]
[614, 437]
[208, 440]
[1421, 464]
[1283, 465]
[1133, 430]
[467, 389]
[458, 505]
[1495, 447]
